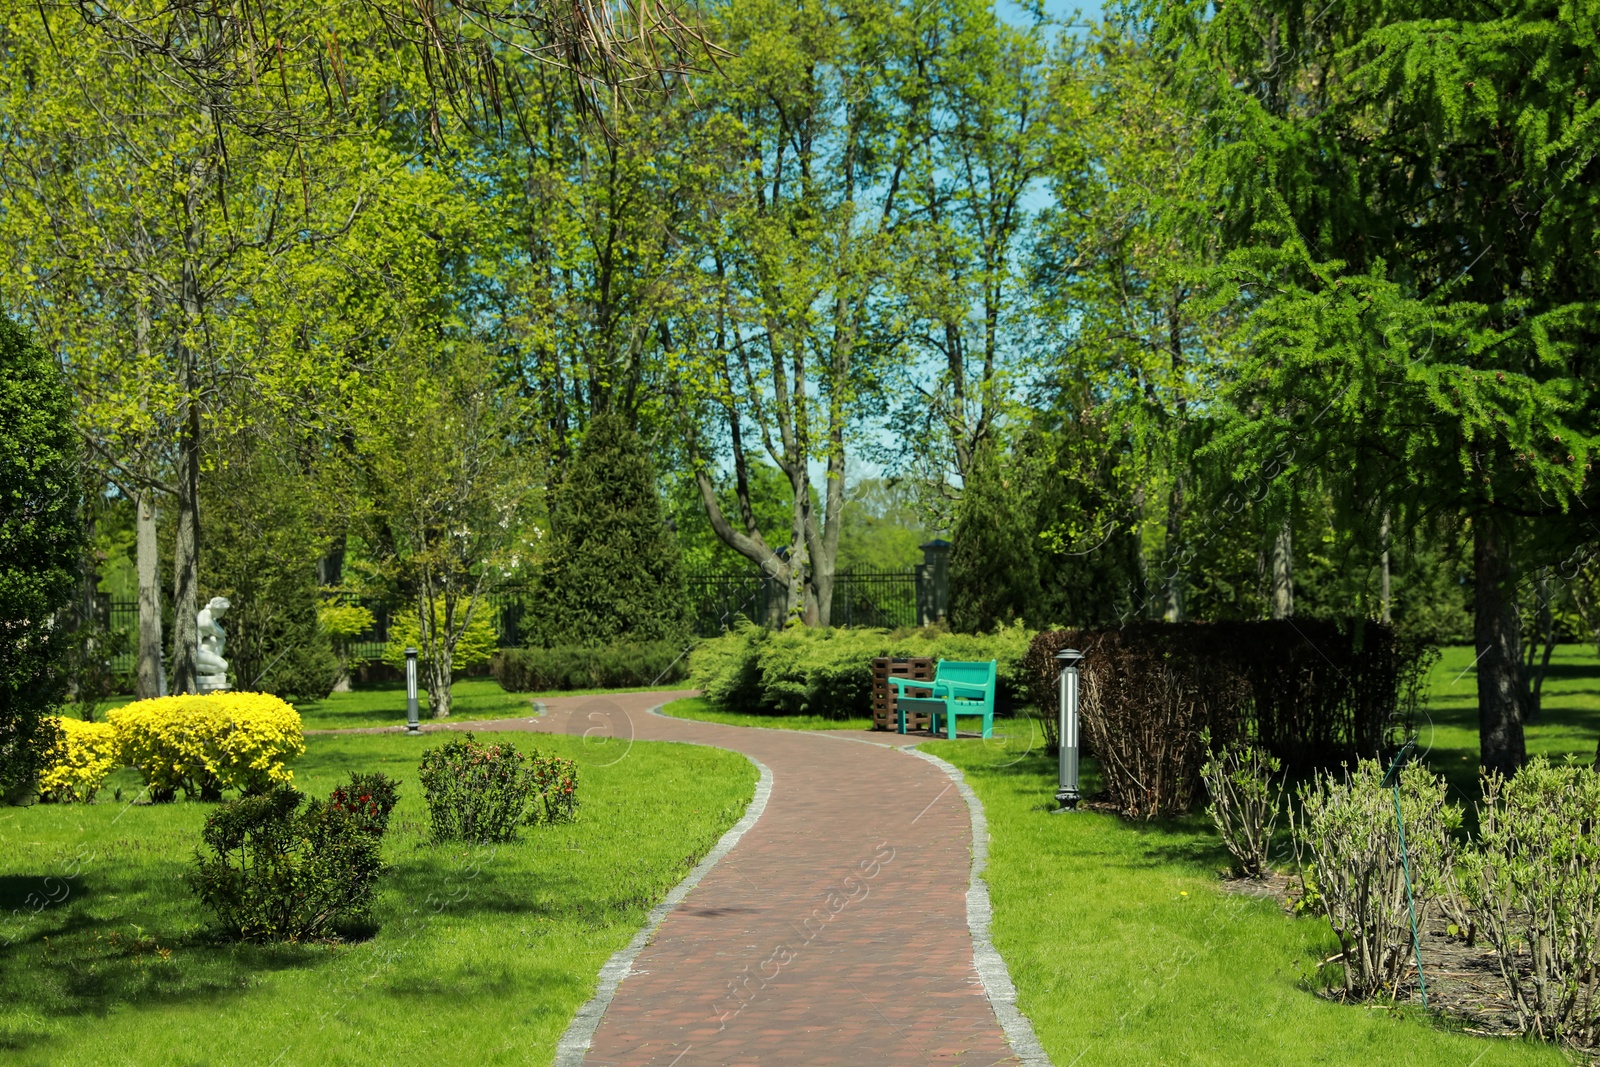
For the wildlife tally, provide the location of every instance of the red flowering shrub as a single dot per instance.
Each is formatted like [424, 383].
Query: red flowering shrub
[367, 799]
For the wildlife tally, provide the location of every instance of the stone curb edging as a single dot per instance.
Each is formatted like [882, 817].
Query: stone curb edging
[575, 1042]
[986, 958]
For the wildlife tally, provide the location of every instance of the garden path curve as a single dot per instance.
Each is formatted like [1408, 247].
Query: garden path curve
[835, 931]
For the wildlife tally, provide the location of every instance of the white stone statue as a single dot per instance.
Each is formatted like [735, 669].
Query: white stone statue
[211, 670]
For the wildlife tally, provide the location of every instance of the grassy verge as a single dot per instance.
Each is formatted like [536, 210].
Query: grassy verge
[1125, 950]
[482, 955]
[702, 709]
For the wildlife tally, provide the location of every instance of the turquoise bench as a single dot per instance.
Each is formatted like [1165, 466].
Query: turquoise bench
[958, 688]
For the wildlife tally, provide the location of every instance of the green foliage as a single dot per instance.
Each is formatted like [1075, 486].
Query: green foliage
[994, 564]
[478, 639]
[828, 672]
[613, 571]
[1245, 802]
[1531, 882]
[272, 870]
[260, 551]
[483, 792]
[41, 539]
[618, 666]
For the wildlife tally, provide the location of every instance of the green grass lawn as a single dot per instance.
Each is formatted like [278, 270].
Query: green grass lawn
[702, 709]
[482, 954]
[1568, 723]
[1125, 950]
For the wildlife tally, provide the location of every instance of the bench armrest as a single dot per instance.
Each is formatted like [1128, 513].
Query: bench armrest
[901, 684]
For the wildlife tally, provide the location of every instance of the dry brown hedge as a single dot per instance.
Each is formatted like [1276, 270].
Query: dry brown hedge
[1313, 692]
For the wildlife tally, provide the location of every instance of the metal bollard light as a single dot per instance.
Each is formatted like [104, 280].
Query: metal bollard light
[1067, 776]
[411, 691]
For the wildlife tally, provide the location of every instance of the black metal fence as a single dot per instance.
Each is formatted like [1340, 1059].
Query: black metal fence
[886, 597]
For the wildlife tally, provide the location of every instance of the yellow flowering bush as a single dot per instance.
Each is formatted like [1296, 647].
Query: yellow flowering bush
[206, 744]
[78, 764]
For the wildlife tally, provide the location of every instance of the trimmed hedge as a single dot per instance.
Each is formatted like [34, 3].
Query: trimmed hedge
[828, 672]
[1314, 693]
[205, 744]
[620, 666]
[78, 764]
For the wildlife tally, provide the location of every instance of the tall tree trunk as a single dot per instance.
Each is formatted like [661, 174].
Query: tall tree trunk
[1495, 626]
[186, 555]
[330, 567]
[1384, 601]
[1283, 571]
[1174, 575]
[436, 650]
[149, 679]
[1536, 666]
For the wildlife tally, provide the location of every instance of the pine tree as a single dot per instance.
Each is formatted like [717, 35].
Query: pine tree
[613, 573]
[994, 565]
[41, 541]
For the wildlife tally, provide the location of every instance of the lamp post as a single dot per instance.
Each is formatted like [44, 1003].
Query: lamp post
[411, 691]
[1067, 776]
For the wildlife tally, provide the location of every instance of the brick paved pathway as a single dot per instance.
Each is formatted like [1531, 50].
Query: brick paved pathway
[835, 931]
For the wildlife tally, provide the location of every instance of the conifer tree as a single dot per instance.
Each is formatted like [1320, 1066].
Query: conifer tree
[41, 541]
[614, 572]
[1411, 195]
[994, 565]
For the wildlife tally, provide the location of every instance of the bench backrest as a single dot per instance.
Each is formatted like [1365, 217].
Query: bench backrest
[968, 672]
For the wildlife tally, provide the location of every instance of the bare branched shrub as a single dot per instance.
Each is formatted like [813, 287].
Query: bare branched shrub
[1144, 721]
[1245, 801]
[1531, 885]
[1349, 845]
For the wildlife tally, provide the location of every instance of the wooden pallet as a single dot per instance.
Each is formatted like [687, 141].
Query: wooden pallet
[883, 695]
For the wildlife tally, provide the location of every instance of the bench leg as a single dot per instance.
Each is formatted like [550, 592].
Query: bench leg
[988, 724]
[900, 713]
[950, 723]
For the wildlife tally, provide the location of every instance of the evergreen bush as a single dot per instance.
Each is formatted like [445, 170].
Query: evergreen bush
[41, 542]
[616, 666]
[994, 565]
[828, 672]
[613, 574]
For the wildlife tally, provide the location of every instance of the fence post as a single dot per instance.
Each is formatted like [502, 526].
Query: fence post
[933, 582]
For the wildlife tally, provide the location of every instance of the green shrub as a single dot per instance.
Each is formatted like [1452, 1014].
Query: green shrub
[1532, 886]
[483, 792]
[275, 867]
[1347, 834]
[41, 541]
[368, 798]
[525, 670]
[1245, 801]
[828, 672]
